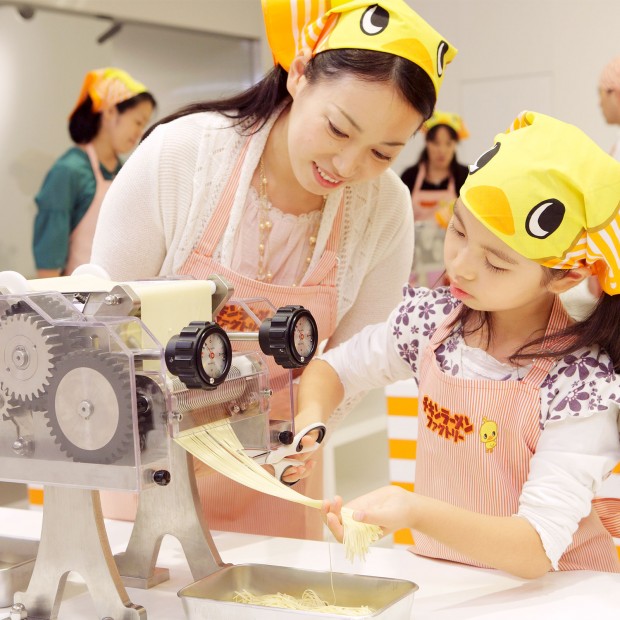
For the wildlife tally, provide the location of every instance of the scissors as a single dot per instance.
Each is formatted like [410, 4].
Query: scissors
[278, 458]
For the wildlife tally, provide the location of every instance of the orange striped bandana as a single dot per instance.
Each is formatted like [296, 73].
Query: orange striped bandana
[390, 26]
[107, 87]
[552, 195]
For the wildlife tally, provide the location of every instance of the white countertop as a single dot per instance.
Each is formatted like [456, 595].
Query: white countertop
[447, 591]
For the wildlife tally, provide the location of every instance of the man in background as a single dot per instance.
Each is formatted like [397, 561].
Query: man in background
[609, 95]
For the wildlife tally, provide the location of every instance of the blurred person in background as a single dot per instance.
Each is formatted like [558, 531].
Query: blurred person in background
[609, 98]
[434, 182]
[108, 120]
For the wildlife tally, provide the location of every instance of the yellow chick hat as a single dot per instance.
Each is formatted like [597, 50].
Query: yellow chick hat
[107, 87]
[552, 195]
[390, 26]
[454, 121]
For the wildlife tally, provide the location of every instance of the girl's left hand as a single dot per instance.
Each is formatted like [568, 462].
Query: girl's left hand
[390, 507]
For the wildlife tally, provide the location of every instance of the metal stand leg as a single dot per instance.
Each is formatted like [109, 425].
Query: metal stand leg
[175, 510]
[73, 538]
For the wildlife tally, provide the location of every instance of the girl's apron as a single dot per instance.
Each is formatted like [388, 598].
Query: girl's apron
[81, 239]
[229, 505]
[428, 265]
[476, 439]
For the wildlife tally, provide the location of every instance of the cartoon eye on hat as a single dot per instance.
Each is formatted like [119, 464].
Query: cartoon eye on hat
[374, 20]
[485, 158]
[442, 50]
[545, 218]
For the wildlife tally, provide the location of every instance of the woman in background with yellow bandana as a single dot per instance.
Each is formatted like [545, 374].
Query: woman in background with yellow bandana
[519, 405]
[285, 189]
[434, 182]
[108, 119]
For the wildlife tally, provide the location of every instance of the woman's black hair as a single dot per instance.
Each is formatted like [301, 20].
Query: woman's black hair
[253, 107]
[601, 327]
[430, 137]
[84, 124]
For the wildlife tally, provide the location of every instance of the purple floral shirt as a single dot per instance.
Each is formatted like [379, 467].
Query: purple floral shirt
[580, 384]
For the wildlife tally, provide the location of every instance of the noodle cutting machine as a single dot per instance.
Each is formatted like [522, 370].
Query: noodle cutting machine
[96, 378]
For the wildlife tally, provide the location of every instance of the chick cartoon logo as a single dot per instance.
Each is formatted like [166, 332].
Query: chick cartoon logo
[488, 435]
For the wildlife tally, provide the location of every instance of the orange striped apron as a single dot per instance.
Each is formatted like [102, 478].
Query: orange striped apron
[81, 239]
[228, 505]
[428, 266]
[476, 439]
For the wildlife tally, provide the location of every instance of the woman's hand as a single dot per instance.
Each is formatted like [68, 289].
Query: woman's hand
[306, 462]
[390, 507]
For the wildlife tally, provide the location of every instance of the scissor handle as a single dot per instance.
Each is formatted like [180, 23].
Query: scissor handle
[296, 447]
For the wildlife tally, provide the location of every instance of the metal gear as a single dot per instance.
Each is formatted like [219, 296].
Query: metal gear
[29, 348]
[89, 406]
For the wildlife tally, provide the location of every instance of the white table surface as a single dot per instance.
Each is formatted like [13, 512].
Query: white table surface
[447, 591]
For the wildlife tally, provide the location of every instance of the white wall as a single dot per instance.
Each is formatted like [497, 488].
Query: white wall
[544, 55]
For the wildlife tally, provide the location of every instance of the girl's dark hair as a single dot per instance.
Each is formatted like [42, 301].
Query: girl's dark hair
[600, 327]
[84, 124]
[430, 137]
[253, 107]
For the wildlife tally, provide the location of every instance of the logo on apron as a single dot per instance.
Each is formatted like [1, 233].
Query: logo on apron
[488, 435]
[451, 426]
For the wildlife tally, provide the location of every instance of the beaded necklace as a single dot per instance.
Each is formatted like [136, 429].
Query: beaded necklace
[265, 226]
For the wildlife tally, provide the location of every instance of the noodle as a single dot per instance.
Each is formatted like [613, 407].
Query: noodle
[218, 446]
[309, 601]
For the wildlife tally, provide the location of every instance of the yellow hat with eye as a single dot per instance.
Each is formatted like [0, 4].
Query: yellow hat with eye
[454, 121]
[552, 195]
[390, 26]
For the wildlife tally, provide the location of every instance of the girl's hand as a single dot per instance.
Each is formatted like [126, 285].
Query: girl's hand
[390, 507]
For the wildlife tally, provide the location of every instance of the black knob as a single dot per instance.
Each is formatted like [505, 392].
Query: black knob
[200, 355]
[290, 336]
[161, 477]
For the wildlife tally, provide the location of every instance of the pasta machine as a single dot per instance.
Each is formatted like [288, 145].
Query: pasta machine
[96, 377]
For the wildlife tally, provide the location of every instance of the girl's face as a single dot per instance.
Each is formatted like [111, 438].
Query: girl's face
[344, 130]
[441, 148]
[125, 129]
[485, 273]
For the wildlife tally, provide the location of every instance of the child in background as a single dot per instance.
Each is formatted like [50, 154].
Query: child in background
[519, 405]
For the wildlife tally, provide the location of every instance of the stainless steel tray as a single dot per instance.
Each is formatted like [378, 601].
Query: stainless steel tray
[17, 558]
[211, 597]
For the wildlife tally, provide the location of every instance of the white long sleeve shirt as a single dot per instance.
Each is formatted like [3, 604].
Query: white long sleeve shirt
[161, 202]
[580, 441]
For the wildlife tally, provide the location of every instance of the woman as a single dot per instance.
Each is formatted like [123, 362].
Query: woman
[286, 191]
[108, 120]
[434, 182]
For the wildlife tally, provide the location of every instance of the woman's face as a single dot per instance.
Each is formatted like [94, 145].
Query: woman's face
[442, 148]
[125, 129]
[344, 130]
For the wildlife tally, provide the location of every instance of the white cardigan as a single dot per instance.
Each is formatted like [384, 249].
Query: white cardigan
[164, 196]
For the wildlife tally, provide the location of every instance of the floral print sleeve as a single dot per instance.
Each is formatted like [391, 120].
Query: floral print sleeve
[580, 385]
[414, 322]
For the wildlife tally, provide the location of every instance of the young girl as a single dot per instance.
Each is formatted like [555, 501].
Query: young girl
[285, 190]
[109, 118]
[518, 406]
